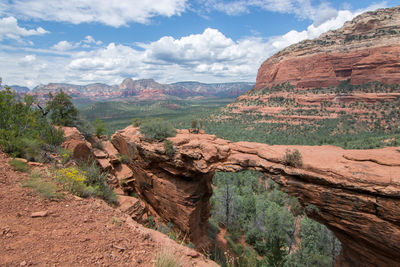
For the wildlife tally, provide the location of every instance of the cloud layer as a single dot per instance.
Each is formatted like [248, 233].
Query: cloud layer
[208, 56]
[301, 8]
[9, 29]
[108, 12]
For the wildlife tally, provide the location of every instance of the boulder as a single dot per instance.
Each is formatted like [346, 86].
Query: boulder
[75, 142]
[112, 153]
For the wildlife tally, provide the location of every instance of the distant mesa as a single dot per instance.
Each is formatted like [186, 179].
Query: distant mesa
[145, 89]
[17, 88]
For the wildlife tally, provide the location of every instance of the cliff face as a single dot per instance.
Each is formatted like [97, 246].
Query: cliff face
[363, 50]
[356, 192]
[349, 78]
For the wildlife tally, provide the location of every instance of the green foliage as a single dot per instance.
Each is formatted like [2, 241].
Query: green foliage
[84, 126]
[117, 114]
[42, 187]
[73, 180]
[168, 147]
[151, 223]
[24, 132]
[293, 158]
[52, 136]
[125, 159]
[157, 129]
[263, 217]
[19, 165]
[98, 180]
[62, 111]
[319, 247]
[136, 122]
[100, 127]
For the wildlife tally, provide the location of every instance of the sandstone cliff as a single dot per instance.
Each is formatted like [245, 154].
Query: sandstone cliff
[347, 81]
[355, 192]
[363, 50]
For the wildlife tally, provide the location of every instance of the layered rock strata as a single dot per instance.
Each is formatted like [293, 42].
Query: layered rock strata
[356, 193]
[365, 49]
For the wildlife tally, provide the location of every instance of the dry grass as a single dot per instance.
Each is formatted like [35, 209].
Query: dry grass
[167, 258]
[43, 188]
[19, 165]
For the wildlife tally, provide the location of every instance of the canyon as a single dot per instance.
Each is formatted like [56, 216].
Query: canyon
[355, 193]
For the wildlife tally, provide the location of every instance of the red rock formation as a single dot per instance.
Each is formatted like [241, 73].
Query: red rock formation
[356, 192]
[363, 50]
[75, 142]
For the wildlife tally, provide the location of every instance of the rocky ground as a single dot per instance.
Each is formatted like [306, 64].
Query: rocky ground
[74, 231]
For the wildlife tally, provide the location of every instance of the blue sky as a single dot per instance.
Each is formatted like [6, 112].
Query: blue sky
[87, 41]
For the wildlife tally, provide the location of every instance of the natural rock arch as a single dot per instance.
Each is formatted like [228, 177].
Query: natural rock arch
[357, 192]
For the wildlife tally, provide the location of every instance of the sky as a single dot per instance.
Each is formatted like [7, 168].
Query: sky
[106, 41]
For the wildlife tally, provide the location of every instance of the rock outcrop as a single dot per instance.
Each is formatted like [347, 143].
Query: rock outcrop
[76, 143]
[356, 192]
[354, 70]
[364, 50]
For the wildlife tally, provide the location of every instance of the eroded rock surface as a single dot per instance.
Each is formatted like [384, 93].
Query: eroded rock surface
[356, 192]
[75, 142]
[364, 50]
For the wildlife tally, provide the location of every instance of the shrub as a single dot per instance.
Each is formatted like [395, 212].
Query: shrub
[32, 149]
[196, 125]
[99, 127]
[166, 258]
[169, 147]
[24, 129]
[51, 135]
[125, 159]
[65, 155]
[136, 122]
[97, 180]
[84, 126]
[44, 189]
[19, 165]
[293, 158]
[157, 129]
[116, 221]
[73, 180]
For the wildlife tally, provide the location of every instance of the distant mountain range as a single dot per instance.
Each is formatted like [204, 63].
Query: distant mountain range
[18, 89]
[145, 89]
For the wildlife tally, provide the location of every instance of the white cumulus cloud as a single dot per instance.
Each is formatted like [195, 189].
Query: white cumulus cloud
[209, 56]
[314, 30]
[108, 12]
[9, 29]
[90, 40]
[63, 46]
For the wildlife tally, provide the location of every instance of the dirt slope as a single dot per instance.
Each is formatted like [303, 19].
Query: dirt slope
[76, 232]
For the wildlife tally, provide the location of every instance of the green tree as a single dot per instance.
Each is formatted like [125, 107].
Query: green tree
[62, 111]
[319, 246]
[23, 130]
[100, 127]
